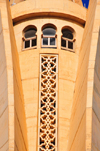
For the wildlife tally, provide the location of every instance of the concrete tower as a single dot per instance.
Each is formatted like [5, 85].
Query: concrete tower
[49, 75]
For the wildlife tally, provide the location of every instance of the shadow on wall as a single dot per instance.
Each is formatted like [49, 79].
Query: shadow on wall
[96, 100]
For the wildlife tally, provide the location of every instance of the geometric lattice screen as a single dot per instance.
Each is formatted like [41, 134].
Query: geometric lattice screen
[48, 103]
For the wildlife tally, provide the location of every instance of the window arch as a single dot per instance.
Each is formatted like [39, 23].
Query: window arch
[49, 36]
[29, 37]
[68, 38]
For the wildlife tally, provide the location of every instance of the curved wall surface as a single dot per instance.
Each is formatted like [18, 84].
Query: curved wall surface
[30, 61]
[62, 8]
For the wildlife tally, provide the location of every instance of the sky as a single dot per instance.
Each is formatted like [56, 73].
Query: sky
[85, 3]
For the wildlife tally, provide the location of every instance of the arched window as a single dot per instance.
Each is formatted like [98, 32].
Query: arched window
[29, 38]
[67, 39]
[49, 37]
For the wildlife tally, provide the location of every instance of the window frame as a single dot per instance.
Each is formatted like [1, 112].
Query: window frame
[68, 40]
[49, 36]
[29, 39]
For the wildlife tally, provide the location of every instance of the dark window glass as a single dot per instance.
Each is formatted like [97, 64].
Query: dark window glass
[33, 42]
[70, 45]
[67, 33]
[52, 41]
[63, 43]
[30, 33]
[45, 41]
[49, 31]
[27, 44]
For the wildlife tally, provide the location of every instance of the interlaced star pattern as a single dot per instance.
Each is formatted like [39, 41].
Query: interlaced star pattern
[48, 103]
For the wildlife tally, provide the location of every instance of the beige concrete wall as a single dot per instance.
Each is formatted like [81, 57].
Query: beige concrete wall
[30, 81]
[67, 76]
[15, 1]
[79, 2]
[84, 124]
[10, 89]
[60, 9]
[78, 115]
[81, 118]
[4, 138]
[29, 65]
[94, 76]
[96, 102]
[6, 84]
[20, 131]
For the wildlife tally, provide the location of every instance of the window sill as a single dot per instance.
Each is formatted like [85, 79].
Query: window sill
[48, 46]
[67, 49]
[35, 47]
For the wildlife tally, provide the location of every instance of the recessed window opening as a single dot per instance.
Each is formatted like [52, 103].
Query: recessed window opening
[30, 39]
[67, 40]
[49, 37]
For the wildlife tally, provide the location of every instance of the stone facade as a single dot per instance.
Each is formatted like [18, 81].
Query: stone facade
[49, 93]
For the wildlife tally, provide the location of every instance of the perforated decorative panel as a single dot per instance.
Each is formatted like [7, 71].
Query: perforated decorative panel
[48, 103]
